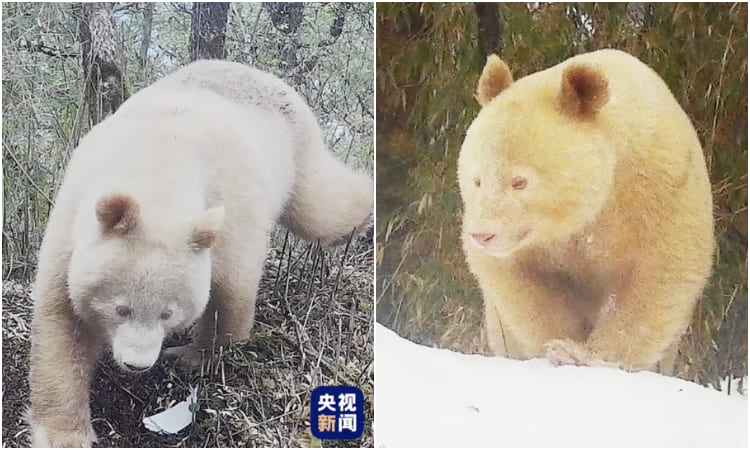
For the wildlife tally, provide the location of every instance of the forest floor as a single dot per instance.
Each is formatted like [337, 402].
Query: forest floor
[313, 327]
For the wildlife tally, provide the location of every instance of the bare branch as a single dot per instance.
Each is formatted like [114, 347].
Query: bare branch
[40, 47]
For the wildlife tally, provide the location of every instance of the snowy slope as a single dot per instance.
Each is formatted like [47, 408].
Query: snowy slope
[429, 397]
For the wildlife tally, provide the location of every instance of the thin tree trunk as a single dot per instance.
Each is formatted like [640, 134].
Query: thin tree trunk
[101, 59]
[208, 30]
[490, 30]
[337, 26]
[338, 23]
[148, 18]
[286, 17]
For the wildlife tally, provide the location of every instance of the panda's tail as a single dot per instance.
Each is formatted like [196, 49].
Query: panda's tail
[329, 200]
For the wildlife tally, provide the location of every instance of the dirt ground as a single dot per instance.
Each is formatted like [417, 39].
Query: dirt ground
[314, 326]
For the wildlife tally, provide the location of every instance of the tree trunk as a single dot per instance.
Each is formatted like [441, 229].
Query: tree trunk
[286, 17]
[148, 18]
[101, 59]
[208, 31]
[338, 23]
[490, 30]
[643, 15]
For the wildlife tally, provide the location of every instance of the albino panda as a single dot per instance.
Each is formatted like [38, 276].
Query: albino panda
[163, 218]
[587, 212]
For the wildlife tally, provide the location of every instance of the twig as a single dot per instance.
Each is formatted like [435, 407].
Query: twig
[331, 371]
[297, 326]
[28, 177]
[49, 51]
[114, 380]
[343, 261]
[281, 260]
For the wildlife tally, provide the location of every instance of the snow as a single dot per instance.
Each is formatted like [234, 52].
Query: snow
[427, 397]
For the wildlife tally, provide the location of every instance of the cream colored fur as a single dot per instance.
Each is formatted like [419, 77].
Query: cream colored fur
[587, 212]
[172, 197]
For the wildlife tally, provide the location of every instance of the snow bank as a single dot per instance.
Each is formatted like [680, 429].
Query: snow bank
[429, 397]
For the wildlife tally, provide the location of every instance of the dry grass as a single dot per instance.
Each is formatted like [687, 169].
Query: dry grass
[313, 327]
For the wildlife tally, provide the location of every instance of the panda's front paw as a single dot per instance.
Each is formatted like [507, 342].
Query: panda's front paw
[562, 352]
[566, 352]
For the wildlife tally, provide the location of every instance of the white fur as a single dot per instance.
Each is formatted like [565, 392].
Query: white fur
[207, 160]
[137, 346]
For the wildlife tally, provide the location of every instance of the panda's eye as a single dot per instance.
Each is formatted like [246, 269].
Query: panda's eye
[123, 311]
[166, 315]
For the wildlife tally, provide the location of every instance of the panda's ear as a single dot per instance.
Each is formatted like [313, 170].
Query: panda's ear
[117, 214]
[206, 229]
[583, 91]
[495, 78]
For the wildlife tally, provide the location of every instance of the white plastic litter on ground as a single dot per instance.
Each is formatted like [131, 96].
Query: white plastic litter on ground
[175, 418]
